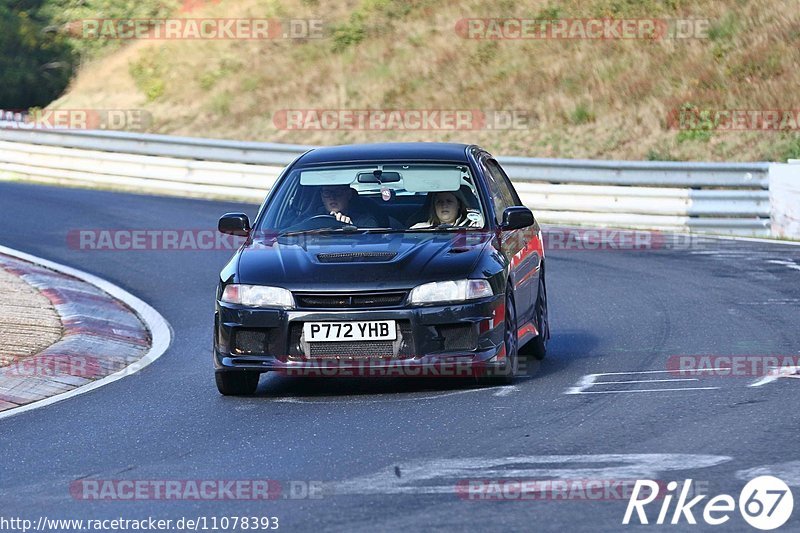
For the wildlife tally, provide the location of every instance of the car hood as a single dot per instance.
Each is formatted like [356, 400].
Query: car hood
[359, 261]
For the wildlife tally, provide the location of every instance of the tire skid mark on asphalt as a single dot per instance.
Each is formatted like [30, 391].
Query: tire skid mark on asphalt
[505, 391]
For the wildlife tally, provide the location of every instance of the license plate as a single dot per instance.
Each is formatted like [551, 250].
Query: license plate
[372, 330]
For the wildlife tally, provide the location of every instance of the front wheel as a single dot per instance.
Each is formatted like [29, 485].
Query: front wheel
[241, 383]
[506, 374]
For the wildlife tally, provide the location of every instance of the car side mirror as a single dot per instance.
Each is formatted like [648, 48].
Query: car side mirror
[516, 217]
[234, 224]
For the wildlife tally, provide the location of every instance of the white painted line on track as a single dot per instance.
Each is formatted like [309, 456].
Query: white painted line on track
[763, 381]
[782, 372]
[590, 380]
[774, 301]
[745, 239]
[584, 383]
[449, 475]
[157, 325]
[787, 264]
[644, 381]
[505, 391]
[497, 391]
[643, 390]
[634, 372]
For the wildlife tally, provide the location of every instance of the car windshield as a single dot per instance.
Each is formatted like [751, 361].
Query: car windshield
[378, 197]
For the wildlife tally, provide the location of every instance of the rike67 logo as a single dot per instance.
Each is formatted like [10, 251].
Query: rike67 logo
[765, 503]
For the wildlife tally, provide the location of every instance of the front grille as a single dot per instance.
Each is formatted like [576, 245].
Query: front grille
[402, 348]
[351, 350]
[350, 300]
[356, 257]
[457, 337]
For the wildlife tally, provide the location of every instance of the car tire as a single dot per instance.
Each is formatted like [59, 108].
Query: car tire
[240, 383]
[506, 374]
[537, 347]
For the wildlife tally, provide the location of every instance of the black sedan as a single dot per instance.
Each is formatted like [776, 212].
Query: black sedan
[383, 259]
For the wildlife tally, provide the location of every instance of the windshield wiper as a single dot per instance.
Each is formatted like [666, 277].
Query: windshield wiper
[443, 227]
[382, 230]
[354, 229]
[346, 229]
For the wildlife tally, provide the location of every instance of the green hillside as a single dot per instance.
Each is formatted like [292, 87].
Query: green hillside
[575, 98]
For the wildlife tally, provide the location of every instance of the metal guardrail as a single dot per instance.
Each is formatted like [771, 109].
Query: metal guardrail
[639, 173]
[713, 197]
[225, 151]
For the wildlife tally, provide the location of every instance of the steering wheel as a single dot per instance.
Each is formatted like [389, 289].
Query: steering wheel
[322, 217]
[318, 222]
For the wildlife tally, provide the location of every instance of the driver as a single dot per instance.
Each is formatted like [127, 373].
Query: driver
[342, 202]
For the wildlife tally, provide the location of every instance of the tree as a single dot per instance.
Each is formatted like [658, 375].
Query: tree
[36, 61]
[38, 51]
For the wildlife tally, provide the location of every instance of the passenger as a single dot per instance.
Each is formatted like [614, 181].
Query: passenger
[448, 208]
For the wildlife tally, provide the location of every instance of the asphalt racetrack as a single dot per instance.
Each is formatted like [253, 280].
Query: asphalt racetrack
[395, 453]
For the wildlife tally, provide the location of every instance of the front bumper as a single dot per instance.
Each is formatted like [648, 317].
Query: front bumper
[456, 340]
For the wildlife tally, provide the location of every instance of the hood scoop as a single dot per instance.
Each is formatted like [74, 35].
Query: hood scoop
[356, 257]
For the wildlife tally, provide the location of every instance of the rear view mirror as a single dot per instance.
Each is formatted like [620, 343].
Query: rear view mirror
[516, 217]
[234, 224]
[379, 176]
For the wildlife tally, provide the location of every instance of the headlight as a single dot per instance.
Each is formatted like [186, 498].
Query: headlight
[451, 291]
[257, 296]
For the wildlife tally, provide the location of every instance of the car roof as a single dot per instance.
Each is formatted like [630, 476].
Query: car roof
[421, 151]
